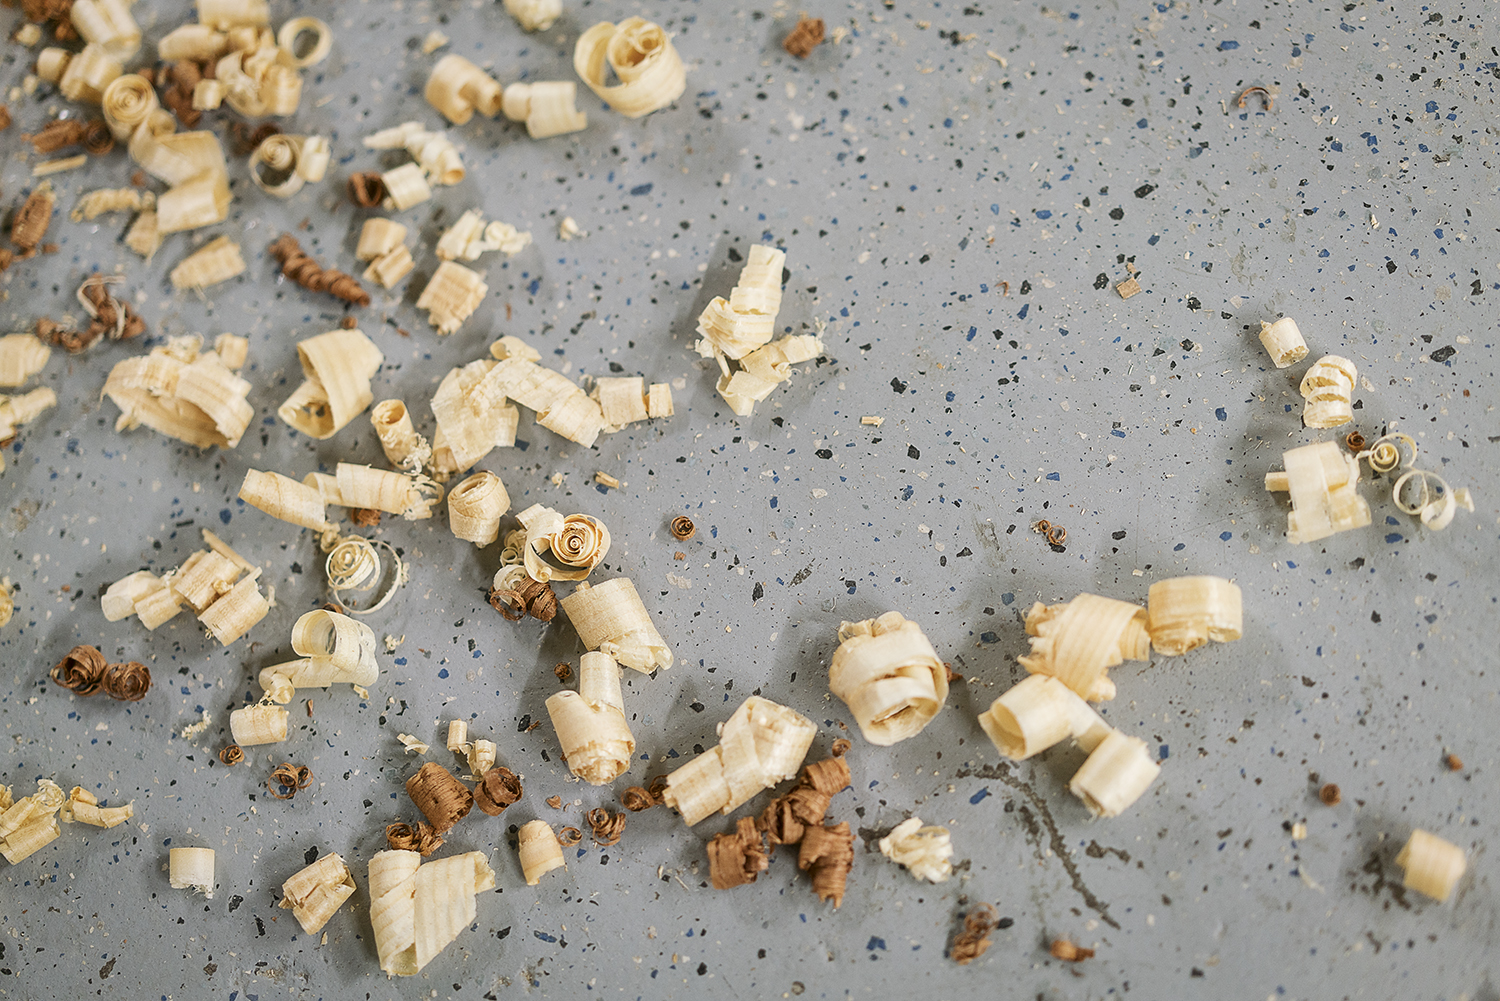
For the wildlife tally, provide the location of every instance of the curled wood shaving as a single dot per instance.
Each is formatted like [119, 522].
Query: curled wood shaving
[81, 670]
[127, 682]
[311, 275]
[635, 799]
[562, 672]
[443, 800]
[569, 836]
[29, 225]
[497, 789]
[1068, 952]
[806, 36]
[366, 189]
[683, 528]
[232, 755]
[971, 943]
[607, 827]
[737, 858]
[827, 855]
[286, 779]
[419, 838]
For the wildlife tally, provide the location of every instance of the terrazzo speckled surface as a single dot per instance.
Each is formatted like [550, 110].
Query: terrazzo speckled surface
[957, 186]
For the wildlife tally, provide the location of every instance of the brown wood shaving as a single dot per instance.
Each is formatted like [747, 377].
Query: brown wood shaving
[72, 341]
[532, 598]
[1329, 795]
[952, 674]
[827, 855]
[127, 682]
[607, 827]
[1354, 441]
[683, 528]
[365, 517]
[1270, 106]
[32, 219]
[55, 135]
[808, 35]
[787, 818]
[97, 138]
[420, 838]
[841, 747]
[248, 140]
[286, 778]
[180, 103]
[232, 755]
[635, 799]
[563, 672]
[508, 603]
[569, 836]
[497, 789]
[4, 117]
[80, 671]
[366, 189]
[737, 858]
[112, 318]
[1068, 952]
[829, 776]
[443, 800]
[1454, 763]
[971, 943]
[311, 275]
[555, 802]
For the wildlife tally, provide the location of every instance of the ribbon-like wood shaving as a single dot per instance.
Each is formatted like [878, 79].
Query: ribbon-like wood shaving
[417, 909]
[21, 357]
[451, 296]
[192, 163]
[457, 88]
[443, 800]
[786, 818]
[649, 69]
[924, 851]
[192, 869]
[761, 744]
[470, 421]
[889, 675]
[214, 262]
[534, 15]
[549, 108]
[625, 400]
[30, 823]
[737, 858]
[1038, 713]
[104, 200]
[405, 186]
[1115, 775]
[562, 548]
[539, 849]
[607, 827]
[338, 367]
[469, 237]
[411, 744]
[316, 892]
[1283, 342]
[1184, 613]
[1077, 641]
[286, 779]
[827, 854]
[282, 164]
[181, 391]
[561, 405]
[1433, 866]
[591, 728]
[1324, 485]
[83, 807]
[435, 155]
[107, 23]
[420, 838]
[333, 648]
[611, 618]
[747, 320]
[259, 724]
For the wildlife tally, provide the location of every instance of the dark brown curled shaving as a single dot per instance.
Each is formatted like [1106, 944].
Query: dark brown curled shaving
[563, 671]
[286, 778]
[56, 134]
[365, 517]
[127, 682]
[828, 855]
[543, 605]
[635, 799]
[497, 789]
[1057, 535]
[232, 755]
[737, 858]
[97, 139]
[246, 139]
[366, 189]
[443, 800]
[81, 670]
[508, 603]
[72, 341]
[683, 528]
[841, 747]
[607, 827]
[303, 270]
[657, 787]
[419, 838]
[971, 943]
[829, 776]
[569, 836]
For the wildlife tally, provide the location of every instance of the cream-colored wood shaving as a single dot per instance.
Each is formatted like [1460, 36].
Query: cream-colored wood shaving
[457, 88]
[641, 54]
[214, 262]
[755, 376]
[1114, 775]
[233, 350]
[562, 548]
[761, 744]
[378, 237]
[925, 851]
[403, 447]
[470, 421]
[568, 229]
[29, 824]
[259, 724]
[469, 237]
[410, 495]
[338, 367]
[418, 909]
[1283, 342]
[534, 15]
[49, 167]
[81, 76]
[549, 108]
[108, 24]
[126, 103]
[451, 296]
[411, 744]
[1433, 866]
[16, 411]
[333, 648]
[1327, 388]
[1038, 713]
[199, 42]
[144, 236]
[183, 392]
[889, 676]
[226, 14]
[606, 480]
[734, 327]
[436, 156]
[21, 357]
[104, 200]
[192, 869]
[83, 807]
[435, 40]
[475, 507]
[313, 894]
[284, 498]
[561, 405]
[591, 729]
[539, 851]
[1077, 642]
[612, 619]
[1323, 480]
[872, 421]
[405, 186]
[1184, 613]
[387, 270]
[27, 35]
[192, 163]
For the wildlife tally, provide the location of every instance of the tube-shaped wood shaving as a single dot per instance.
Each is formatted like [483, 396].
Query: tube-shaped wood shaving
[411, 496]
[1184, 613]
[83, 807]
[403, 447]
[21, 357]
[316, 892]
[1433, 866]
[192, 869]
[334, 648]
[108, 24]
[561, 405]
[497, 788]
[828, 854]
[1038, 713]
[924, 851]
[417, 909]
[1327, 388]
[443, 800]
[419, 838]
[30, 823]
[254, 725]
[475, 507]
[549, 108]
[1115, 775]
[233, 615]
[761, 744]
[1077, 641]
[457, 88]
[611, 618]
[590, 723]
[80, 671]
[338, 367]
[1283, 342]
[1323, 481]
[650, 72]
[737, 858]
[539, 849]
[889, 675]
[284, 498]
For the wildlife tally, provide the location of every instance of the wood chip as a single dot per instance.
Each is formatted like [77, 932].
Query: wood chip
[1128, 288]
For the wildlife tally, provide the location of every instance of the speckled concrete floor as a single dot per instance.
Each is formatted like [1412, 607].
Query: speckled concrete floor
[956, 184]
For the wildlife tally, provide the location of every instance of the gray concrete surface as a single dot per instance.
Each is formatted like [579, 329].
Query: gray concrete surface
[948, 181]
